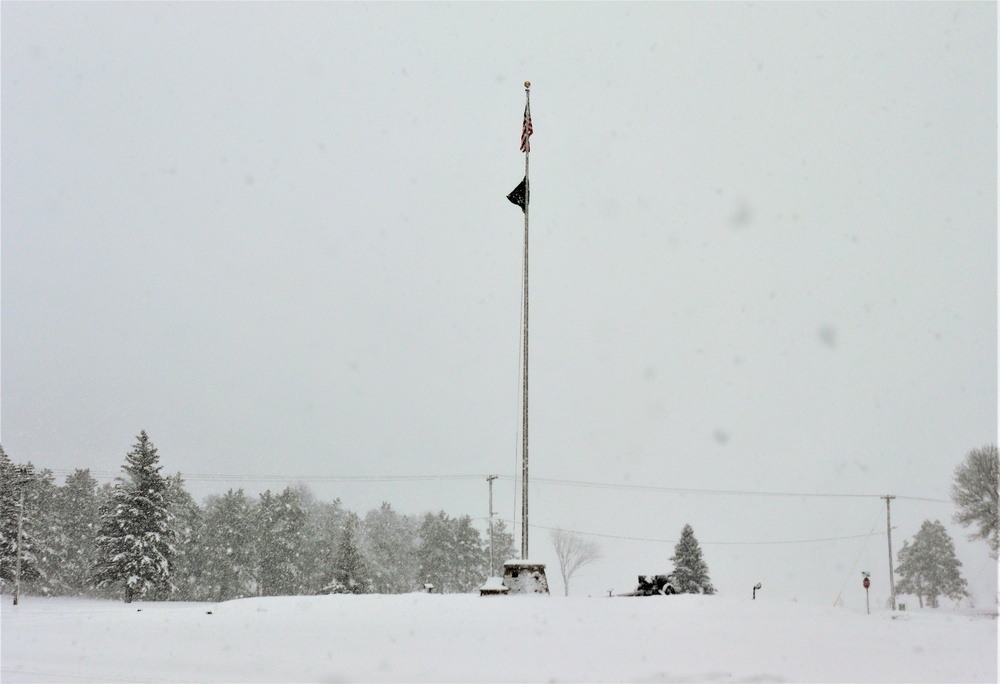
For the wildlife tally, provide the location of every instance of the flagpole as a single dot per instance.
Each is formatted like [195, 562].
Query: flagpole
[524, 416]
[526, 577]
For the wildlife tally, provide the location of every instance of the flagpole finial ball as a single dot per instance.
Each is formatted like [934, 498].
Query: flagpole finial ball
[527, 84]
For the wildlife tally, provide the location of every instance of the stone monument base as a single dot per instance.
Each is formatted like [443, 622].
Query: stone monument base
[525, 577]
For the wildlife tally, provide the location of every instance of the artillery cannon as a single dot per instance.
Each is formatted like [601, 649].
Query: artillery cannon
[655, 585]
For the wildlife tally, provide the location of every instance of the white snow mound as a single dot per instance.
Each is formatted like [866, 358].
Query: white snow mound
[466, 638]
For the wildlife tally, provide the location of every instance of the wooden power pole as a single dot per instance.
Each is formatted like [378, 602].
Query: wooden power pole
[888, 534]
[17, 564]
[489, 480]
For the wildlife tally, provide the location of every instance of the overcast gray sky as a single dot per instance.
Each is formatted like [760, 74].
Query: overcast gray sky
[275, 236]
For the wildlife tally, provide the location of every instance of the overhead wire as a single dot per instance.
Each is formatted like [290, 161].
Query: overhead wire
[714, 543]
[855, 564]
[727, 492]
[224, 477]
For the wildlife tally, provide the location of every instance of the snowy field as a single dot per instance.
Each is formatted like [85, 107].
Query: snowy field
[463, 638]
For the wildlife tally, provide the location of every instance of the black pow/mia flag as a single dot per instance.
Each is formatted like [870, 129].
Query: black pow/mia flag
[519, 195]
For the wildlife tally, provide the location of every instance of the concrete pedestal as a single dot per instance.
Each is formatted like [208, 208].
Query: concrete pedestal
[525, 577]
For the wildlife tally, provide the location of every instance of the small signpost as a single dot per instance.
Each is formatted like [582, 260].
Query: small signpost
[867, 583]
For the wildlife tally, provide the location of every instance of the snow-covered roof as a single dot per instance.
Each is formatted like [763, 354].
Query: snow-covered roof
[493, 583]
[523, 562]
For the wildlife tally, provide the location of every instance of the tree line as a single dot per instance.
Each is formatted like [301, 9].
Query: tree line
[145, 537]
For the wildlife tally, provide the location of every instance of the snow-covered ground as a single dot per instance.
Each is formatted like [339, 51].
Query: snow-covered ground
[430, 638]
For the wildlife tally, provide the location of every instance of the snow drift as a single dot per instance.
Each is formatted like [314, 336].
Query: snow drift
[467, 638]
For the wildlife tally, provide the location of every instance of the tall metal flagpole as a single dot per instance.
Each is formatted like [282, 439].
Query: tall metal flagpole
[525, 132]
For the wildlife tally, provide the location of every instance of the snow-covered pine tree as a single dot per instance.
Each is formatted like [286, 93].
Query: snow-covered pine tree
[929, 568]
[451, 555]
[187, 560]
[503, 546]
[280, 543]
[471, 556]
[389, 544]
[135, 540]
[351, 574]
[75, 515]
[690, 569]
[39, 504]
[320, 536]
[13, 481]
[228, 547]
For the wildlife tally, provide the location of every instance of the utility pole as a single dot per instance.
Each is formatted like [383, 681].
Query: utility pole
[888, 534]
[489, 481]
[17, 566]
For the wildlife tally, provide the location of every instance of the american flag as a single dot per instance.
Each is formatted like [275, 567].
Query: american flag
[526, 130]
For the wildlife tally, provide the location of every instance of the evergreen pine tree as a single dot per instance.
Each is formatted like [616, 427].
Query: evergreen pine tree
[15, 481]
[320, 536]
[9, 511]
[74, 540]
[928, 568]
[470, 556]
[135, 540]
[187, 560]
[351, 574]
[228, 548]
[433, 550]
[280, 543]
[450, 554]
[690, 569]
[40, 510]
[503, 546]
[389, 543]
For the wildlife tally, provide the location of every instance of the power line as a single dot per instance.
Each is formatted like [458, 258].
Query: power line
[855, 564]
[682, 490]
[223, 477]
[730, 492]
[714, 543]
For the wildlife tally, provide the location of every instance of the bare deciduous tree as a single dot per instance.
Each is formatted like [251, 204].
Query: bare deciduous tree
[975, 494]
[573, 553]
